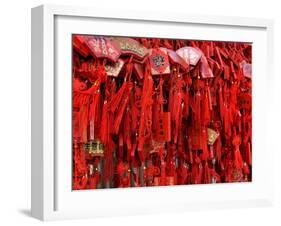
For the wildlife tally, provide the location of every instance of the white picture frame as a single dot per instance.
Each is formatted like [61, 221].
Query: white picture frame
[52, 197]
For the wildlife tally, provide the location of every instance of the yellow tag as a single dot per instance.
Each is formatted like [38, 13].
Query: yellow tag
[94, 148]
[212, 136]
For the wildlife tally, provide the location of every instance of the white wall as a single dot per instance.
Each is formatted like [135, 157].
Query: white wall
[15, 111]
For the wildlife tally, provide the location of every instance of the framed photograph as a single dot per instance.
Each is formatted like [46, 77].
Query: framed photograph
[136, 112]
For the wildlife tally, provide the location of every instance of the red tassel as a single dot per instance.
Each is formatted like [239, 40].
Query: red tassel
[194, 174]
[207, 174]
[80, 172]
[190, 150]
[176, 98]
[146, 112]
[205, 154]
[221, 105]
[219, 56]
[104, 124]
[200, 173]
[108, 163]
[209, 98]
[94, 115]
[127, 130]
[120, 147]
[249, 154]
[246, 169]
[212, 152]
[119, 117]
[186, 104]
[238, 161]
[218, 149]
[83, 122]
[226, 123]
[176, 112]
[197, 108]
[116, 99]
[206, 110]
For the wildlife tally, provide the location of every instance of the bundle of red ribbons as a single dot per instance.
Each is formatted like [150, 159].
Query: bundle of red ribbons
[156, 112]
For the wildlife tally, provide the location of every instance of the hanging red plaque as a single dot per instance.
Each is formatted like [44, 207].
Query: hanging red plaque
[247, 69]
[163, 127]
[129, 46]
[103, 48]
[177, 59]
[205, 69]
[190, 55]
[159, 61]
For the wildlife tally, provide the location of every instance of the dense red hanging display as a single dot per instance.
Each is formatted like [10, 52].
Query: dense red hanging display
[157, 112]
